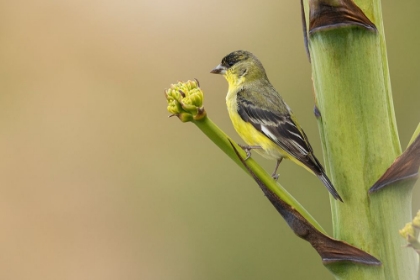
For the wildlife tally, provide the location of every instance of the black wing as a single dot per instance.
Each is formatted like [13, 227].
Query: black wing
[273, 118]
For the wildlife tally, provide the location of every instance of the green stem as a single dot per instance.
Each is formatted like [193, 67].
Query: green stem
[222, 141]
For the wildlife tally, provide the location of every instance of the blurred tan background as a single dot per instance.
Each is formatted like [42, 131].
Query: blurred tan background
[97, 183]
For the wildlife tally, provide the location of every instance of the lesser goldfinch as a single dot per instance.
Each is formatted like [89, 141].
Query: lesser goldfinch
[262, 118]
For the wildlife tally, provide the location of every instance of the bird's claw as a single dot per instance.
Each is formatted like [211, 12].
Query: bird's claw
[247, 150]
[248, 153]
[275, 176]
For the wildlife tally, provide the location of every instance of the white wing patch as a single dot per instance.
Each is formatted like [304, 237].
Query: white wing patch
[297, 135]
[268, 133]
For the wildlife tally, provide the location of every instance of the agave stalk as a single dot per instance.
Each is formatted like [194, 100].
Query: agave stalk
[358, 129]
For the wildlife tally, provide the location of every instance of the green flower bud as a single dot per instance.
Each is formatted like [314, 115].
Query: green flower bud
[407, 231]
[410, 233]
[416, 220]
[185, 100]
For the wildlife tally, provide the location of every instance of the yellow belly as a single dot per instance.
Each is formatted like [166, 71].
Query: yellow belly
[252, 136]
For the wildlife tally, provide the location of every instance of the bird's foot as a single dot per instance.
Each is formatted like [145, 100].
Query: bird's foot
[275, 175]
[248, 149]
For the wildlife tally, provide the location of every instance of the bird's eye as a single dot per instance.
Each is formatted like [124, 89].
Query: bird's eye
[228, 63]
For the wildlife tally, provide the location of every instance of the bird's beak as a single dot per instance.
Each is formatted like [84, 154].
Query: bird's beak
[220, 69]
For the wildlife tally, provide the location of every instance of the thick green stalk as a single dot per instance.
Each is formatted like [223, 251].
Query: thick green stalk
[359, 134]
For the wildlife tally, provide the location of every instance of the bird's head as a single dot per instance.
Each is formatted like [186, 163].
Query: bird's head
[240, 66]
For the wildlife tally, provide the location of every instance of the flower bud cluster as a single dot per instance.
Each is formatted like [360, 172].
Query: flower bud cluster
[185, 100]
[411, 233]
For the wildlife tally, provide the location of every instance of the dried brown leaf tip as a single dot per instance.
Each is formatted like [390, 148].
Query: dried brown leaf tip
[330, 250]
[405, 167]
[331, 14]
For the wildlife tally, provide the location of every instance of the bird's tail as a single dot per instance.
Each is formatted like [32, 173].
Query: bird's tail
[323, 177]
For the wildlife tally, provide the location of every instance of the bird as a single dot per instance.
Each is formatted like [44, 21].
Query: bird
[263, 119]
